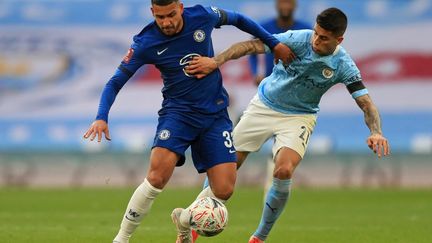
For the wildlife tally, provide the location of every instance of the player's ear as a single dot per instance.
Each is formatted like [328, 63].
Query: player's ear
[339, 40]
[181, 8]
[152, 11]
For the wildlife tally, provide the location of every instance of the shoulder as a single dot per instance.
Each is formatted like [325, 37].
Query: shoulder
[195, 9]
[147, 38]
[295, 36]
[201, 10]
[344, 58]
[200, 15]
[346, 65]
[148, 32]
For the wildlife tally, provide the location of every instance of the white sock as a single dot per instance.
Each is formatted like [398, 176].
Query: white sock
[185, 215]
[138, 207]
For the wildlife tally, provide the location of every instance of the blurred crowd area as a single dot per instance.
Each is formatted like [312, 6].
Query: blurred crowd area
[56, 56]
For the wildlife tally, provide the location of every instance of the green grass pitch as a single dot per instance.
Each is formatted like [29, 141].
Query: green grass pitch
[333, 215]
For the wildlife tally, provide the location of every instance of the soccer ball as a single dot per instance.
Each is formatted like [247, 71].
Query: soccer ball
[208, 216]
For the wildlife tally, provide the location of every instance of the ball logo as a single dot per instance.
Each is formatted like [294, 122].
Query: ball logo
[199, 35]
[327, 73]
[164, 134]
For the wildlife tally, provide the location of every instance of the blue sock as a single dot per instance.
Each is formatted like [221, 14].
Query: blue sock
[206, 183]
[275, 202]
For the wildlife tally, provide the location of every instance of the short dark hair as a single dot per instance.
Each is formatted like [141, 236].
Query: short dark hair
[334, 20]
[163, 2]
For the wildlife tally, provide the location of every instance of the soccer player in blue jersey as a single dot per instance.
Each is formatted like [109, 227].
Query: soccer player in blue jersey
[283, 22]
[193, 111]
[287, 102]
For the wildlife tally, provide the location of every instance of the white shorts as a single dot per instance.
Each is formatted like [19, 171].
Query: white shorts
[259, 123]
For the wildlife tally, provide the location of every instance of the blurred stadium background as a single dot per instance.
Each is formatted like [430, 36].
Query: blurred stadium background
[56, 56]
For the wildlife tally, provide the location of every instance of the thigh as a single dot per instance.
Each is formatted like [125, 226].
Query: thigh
[214, 145]
[162, 164]
[174, 134]
[294, 132]
[254, 128]
[222, 178]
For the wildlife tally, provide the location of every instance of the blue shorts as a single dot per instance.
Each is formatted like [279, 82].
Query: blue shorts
[210, 137]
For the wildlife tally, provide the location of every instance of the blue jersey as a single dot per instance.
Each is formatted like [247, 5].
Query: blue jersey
[170, 54]
[298, 88]
[272, 27]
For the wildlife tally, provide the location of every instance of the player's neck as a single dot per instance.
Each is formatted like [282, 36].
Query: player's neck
[180, 28]
[285, 23]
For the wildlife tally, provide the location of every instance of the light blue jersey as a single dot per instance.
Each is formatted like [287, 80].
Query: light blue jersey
[298, 88]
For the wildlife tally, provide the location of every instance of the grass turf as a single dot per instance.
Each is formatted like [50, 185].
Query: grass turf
[333, 215]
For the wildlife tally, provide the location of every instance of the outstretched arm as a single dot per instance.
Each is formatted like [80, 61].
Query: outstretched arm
[123, 73]
[376, 141]
[202, 66]
[240, 49]
[246, 24]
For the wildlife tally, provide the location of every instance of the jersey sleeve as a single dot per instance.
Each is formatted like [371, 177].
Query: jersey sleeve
[242, 22]
[294, 39]
[217, 17]
[131, 63]
[350, 76]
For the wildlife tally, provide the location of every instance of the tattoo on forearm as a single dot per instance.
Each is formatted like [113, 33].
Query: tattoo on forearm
[240, 49]
[371, 114]
[373, 120]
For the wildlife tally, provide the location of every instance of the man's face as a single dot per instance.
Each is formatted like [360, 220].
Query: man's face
[285, 8]
[169, 17]
[324, 42]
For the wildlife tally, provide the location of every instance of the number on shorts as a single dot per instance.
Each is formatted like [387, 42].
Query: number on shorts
[302, 136]
[228, 136]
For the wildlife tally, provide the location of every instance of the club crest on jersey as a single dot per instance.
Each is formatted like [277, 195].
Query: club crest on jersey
[327, 73]
[128, 56]
[199, 35]
[164, 134]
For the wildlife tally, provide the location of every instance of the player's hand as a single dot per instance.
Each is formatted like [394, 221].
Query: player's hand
[200, 67]
[96, 129]
[284, 53]
[379, 144]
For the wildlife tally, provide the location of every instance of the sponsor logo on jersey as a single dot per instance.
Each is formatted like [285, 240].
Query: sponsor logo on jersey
[327, 73]
[353, 79]
[185, 61]
[199, 35]
[128, 56]
[164, 134]
[161, 51]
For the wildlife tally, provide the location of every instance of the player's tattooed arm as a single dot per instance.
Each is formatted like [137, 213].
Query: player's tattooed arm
[372, 117]
[240, 49]
[376, 141]
[202, 66]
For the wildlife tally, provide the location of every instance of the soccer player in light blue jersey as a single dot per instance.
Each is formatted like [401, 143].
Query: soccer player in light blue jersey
[287, 102]
[283, 22]
[193, 112]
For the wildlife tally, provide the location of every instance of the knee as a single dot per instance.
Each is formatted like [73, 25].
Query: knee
[224, 191]
[156, 180]
[284, 170]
